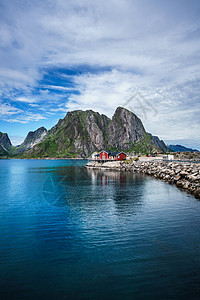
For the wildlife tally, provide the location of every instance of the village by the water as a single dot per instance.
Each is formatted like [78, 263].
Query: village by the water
[175, 169]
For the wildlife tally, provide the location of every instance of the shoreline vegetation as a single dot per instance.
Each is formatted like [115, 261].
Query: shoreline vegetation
[185, 175]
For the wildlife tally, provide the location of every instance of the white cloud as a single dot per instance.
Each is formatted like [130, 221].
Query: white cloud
[25, 118]
[165, 111]
[33, 117]
[8, 110]
[16, 140]
[34, 105]
[101, 92]
[25, 100]
[59, 88]
[151, 47]
[12, 114]
[71, 33]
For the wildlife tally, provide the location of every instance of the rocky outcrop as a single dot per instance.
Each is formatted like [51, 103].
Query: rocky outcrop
[185, 175]
[125, 129]
[77, 135]
[159, 143]
[33, 138]
[192, 156]
[81, 133]
[5, 142]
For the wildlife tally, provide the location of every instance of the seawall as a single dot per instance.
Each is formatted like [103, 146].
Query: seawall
[185, 175]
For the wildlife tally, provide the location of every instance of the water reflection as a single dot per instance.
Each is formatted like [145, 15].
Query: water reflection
[107, 177]
[88, 189]
[95, 235]
[124, 189]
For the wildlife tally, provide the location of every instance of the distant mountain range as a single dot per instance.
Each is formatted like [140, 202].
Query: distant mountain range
[81, 133]
[32, 139]
[180, 148]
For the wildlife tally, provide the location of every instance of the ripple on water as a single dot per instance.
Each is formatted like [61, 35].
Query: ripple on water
[73, 233]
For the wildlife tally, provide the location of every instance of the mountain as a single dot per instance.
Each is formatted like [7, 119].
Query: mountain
[180, 148]
[125, 129]
[5, 142]
[159, 143]
[3, 152]
[32, 138]
[81, 133]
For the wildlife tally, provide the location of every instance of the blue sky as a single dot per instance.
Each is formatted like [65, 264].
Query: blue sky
[57, 56]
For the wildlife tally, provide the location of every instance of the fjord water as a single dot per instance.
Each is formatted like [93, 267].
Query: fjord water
[72, 233]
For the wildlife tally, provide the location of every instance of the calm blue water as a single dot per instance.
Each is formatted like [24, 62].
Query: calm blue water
[71, 233]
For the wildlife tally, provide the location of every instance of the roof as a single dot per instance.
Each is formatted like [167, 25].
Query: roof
[122, 152]
[112, 153]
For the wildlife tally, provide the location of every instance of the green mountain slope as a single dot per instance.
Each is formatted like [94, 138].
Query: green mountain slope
[82, 132]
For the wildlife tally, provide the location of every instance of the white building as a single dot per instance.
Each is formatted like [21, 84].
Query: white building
[93, 155]
[170, 157]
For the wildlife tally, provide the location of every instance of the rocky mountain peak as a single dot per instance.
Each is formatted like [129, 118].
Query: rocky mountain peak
[33, 138]
[125, 129]
[5, 142]
[81, 133]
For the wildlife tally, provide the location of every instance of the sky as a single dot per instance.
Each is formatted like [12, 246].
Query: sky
[58, 56]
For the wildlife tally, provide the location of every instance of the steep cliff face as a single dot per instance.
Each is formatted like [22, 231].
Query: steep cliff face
[82, 132]
[78, 134]
[5, 142]
[33, 138]
[159, 143]
[125, 129]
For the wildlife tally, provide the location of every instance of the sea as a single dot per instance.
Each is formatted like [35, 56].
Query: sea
[67, 232]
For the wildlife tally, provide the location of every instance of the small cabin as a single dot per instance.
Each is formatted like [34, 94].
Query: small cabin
[111, 155]
[103, 155]
[121, 156]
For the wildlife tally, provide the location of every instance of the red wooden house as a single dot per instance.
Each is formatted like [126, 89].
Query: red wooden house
[111, 155]
[121, 156]
[103, 155]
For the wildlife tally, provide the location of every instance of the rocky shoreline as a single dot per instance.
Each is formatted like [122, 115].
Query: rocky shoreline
[185, 175]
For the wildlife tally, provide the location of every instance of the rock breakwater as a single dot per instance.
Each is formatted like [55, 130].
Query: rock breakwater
[185, 175]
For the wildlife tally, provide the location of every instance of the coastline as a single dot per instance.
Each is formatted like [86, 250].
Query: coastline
[46, 158]
[185, 175]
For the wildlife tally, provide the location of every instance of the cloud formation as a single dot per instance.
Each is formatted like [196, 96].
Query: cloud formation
[63, 55]
[8, 110]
